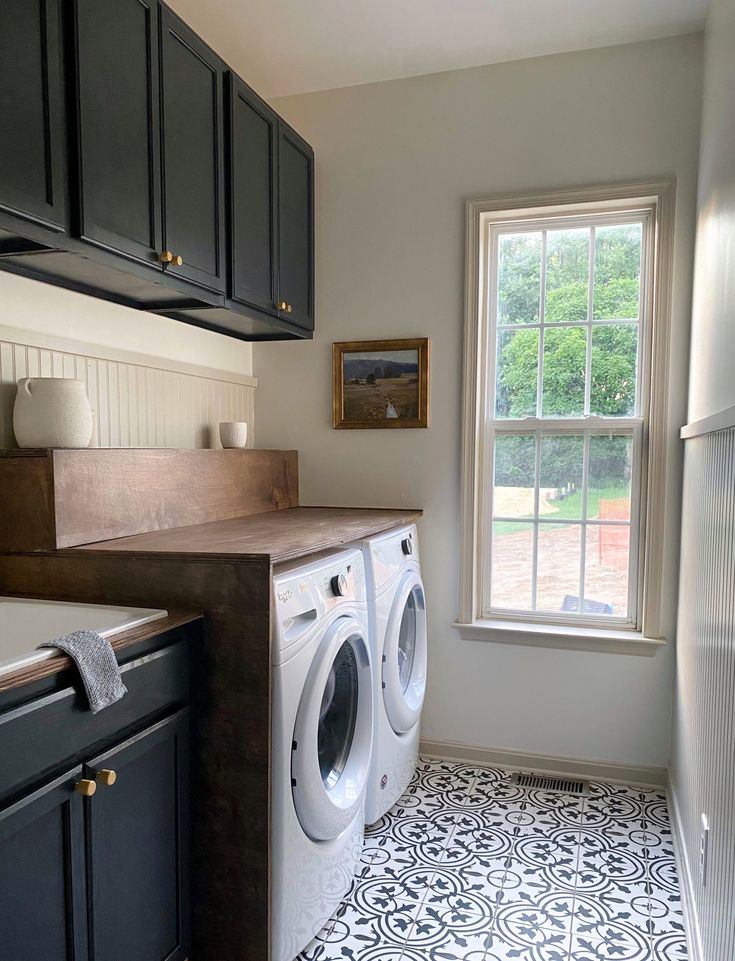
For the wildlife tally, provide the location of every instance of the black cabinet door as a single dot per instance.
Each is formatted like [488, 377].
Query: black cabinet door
[42, 885]
[31, 111]
[252, 157]
[118, 126]
[192, 154]
[295, 228]
[138, 847]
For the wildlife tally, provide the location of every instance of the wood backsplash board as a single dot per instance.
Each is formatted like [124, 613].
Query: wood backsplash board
[64, 498]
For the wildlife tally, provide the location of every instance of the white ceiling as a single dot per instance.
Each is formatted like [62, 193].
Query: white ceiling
[283, 47]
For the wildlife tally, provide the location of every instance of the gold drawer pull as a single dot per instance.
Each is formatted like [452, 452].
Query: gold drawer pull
[85, 787]
[165, 256]
[177, 260]
[106, 777]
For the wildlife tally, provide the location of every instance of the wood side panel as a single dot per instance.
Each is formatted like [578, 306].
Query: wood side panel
[26, 503]
[231, 773]
[103, 494]
[276, 535]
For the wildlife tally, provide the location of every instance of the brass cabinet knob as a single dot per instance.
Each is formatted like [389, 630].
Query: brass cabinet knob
[177, 260]
[85, 787]
[165, 256]
[106, 777]
[283, 305]
[289, 308]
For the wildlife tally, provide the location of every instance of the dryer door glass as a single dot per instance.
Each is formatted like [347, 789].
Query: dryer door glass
[407, 641]
[404, 655]
[337, 716]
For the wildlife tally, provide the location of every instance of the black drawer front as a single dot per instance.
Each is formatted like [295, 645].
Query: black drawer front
[55, 730]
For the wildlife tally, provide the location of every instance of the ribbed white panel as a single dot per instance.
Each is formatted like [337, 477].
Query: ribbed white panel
[703, 762]
[135, 405]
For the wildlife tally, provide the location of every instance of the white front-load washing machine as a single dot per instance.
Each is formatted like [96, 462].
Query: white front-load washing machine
[398, 646]
[321, 742]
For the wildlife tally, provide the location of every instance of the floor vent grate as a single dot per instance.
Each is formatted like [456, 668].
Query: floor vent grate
[557, 785]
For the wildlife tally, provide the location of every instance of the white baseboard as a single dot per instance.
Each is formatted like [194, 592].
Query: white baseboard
[686, 881]
[545, 764]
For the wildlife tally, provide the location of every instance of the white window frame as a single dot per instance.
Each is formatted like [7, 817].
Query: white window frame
[641, 632]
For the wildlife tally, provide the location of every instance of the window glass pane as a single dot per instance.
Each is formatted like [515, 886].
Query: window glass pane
[557, 582]
[519, 278]
[567, 275]
[565, 358]
[512, 565]
[616, 292]
[610, 471]
[614, 364]
[516, 374]
[561, 476]
[606, 570]
[515, 475]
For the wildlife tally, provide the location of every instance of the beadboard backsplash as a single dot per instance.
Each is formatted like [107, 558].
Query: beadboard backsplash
[138, 401]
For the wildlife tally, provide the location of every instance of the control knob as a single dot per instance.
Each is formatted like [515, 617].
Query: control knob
[339, 585]
[407, 546]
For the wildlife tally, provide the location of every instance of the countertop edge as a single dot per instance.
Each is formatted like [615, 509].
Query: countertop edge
[61, 662]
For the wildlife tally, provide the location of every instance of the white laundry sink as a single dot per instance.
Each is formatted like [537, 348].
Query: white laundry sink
[25, 623]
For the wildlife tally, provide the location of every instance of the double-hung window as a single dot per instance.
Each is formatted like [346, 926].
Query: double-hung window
[559, 347]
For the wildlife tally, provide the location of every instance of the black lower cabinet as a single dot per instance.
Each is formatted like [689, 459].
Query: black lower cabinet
[94, 816]
[42, 875]
[137, 849]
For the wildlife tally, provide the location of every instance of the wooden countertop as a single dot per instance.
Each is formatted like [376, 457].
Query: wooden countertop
[273, 537]
[61, 662]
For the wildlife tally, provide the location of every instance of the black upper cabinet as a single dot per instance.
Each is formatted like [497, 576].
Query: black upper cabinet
[295, 228]
[127, 173]
[138, 847]
[253, 141]
[117, 95]
[31, 111]
[192, 154]
[42, 875]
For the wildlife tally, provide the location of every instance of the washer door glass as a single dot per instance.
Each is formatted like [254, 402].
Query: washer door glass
[337, 716]
[405, 654]
[333, 733]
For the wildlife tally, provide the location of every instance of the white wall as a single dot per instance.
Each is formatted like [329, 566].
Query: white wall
[395, 163]
[712, 385]
[702, 770]
[51, 311]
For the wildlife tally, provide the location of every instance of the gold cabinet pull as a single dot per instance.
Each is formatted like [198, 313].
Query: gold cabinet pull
[177, 260]
[283, 305]
[289, 308]
[85, 787]
[106, 777]
[165, 256]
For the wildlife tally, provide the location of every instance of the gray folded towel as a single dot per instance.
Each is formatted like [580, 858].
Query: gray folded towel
[97, 664]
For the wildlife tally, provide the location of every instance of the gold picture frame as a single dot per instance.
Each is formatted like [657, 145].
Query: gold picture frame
[379, 384]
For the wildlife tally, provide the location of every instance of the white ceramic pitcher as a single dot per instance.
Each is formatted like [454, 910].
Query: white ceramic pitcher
[52, 412]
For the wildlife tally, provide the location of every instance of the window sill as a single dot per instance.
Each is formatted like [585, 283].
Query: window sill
[599, 640]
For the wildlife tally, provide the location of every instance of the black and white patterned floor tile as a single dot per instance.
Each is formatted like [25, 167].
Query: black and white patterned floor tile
[468, 867]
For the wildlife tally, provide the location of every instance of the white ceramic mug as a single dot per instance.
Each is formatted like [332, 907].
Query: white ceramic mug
[52, 412]
[233, 433]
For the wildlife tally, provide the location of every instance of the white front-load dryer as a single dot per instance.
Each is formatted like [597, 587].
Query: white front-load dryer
[321, 742]
[398, 646]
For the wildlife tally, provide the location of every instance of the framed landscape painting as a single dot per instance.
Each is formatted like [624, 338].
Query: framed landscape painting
[381, 383]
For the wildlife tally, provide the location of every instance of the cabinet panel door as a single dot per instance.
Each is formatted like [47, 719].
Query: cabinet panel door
[296, 228]
[42, 893]
[138, 847]
[253, 132]
[118, 120]
[31, 111]
[193, 154]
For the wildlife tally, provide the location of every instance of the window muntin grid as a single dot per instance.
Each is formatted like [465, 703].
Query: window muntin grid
[593, 315]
